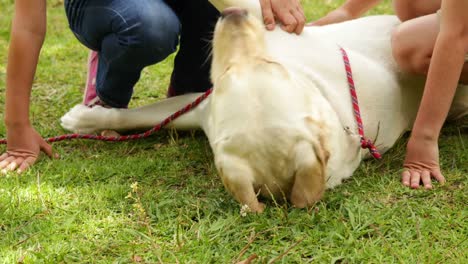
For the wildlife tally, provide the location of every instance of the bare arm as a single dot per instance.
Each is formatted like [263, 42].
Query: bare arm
[27, 36]
[422, 156]
[351, 9]
[357, 8]
[444, 71]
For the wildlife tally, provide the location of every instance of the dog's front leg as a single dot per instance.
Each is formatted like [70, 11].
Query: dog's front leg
[252, 6]
[237, 177]
[83, 119]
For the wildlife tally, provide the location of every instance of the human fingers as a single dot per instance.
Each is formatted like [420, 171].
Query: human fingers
[415, 179]
[26, 164]
[14, 164]
[426, 179]
[5, 163]
[438, 176]
[267, 13]
[405, 177]
[288, 22]
[47, 149]
[301, 20]
[3, 156]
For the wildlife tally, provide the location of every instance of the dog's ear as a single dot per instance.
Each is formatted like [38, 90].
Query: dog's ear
[321, 149]
[309, 179]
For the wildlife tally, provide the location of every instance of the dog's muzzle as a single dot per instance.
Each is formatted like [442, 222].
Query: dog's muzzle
[234, 12]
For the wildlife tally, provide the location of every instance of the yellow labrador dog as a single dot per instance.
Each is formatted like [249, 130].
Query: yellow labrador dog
[280, 119]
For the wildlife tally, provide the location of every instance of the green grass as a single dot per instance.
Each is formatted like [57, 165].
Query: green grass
[160, 200]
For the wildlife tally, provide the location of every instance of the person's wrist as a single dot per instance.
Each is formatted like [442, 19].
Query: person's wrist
[427, 135]
[15, 124]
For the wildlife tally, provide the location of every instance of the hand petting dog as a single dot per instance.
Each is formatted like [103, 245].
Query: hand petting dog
[288, 13]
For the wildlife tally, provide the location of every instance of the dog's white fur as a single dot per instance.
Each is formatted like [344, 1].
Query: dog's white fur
[280, 120]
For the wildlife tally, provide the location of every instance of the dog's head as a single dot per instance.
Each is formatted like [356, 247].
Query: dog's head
[238, 38]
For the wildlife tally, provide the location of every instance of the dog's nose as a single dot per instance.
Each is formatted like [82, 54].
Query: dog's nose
[235, 11]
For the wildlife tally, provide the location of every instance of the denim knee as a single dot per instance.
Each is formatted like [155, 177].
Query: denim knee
[159, 34]
[147, 29]
[150, 37]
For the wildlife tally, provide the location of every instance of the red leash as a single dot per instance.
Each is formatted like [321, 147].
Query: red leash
[365, 143]
[146, 134]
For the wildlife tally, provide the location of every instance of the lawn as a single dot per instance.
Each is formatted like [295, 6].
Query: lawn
[159, 200]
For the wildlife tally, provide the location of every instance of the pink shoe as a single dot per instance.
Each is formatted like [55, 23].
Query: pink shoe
[90, 97]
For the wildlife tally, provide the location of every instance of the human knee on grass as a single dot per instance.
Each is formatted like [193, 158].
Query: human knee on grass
[406, 10]
[413, 42]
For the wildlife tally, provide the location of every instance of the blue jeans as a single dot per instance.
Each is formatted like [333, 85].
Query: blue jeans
[132, 34]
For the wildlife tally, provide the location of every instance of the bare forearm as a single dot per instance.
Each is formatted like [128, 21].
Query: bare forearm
[357, 8]
[27, 36]
[442, 80]
[22, 61]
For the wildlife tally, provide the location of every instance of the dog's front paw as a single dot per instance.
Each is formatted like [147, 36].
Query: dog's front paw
[256, 208]
[84, 119]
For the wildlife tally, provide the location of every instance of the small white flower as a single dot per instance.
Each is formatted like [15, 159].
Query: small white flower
[245, 209]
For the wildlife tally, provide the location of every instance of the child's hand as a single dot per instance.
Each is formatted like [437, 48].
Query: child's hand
[421, 163]
[23, 148]
[288, 12]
